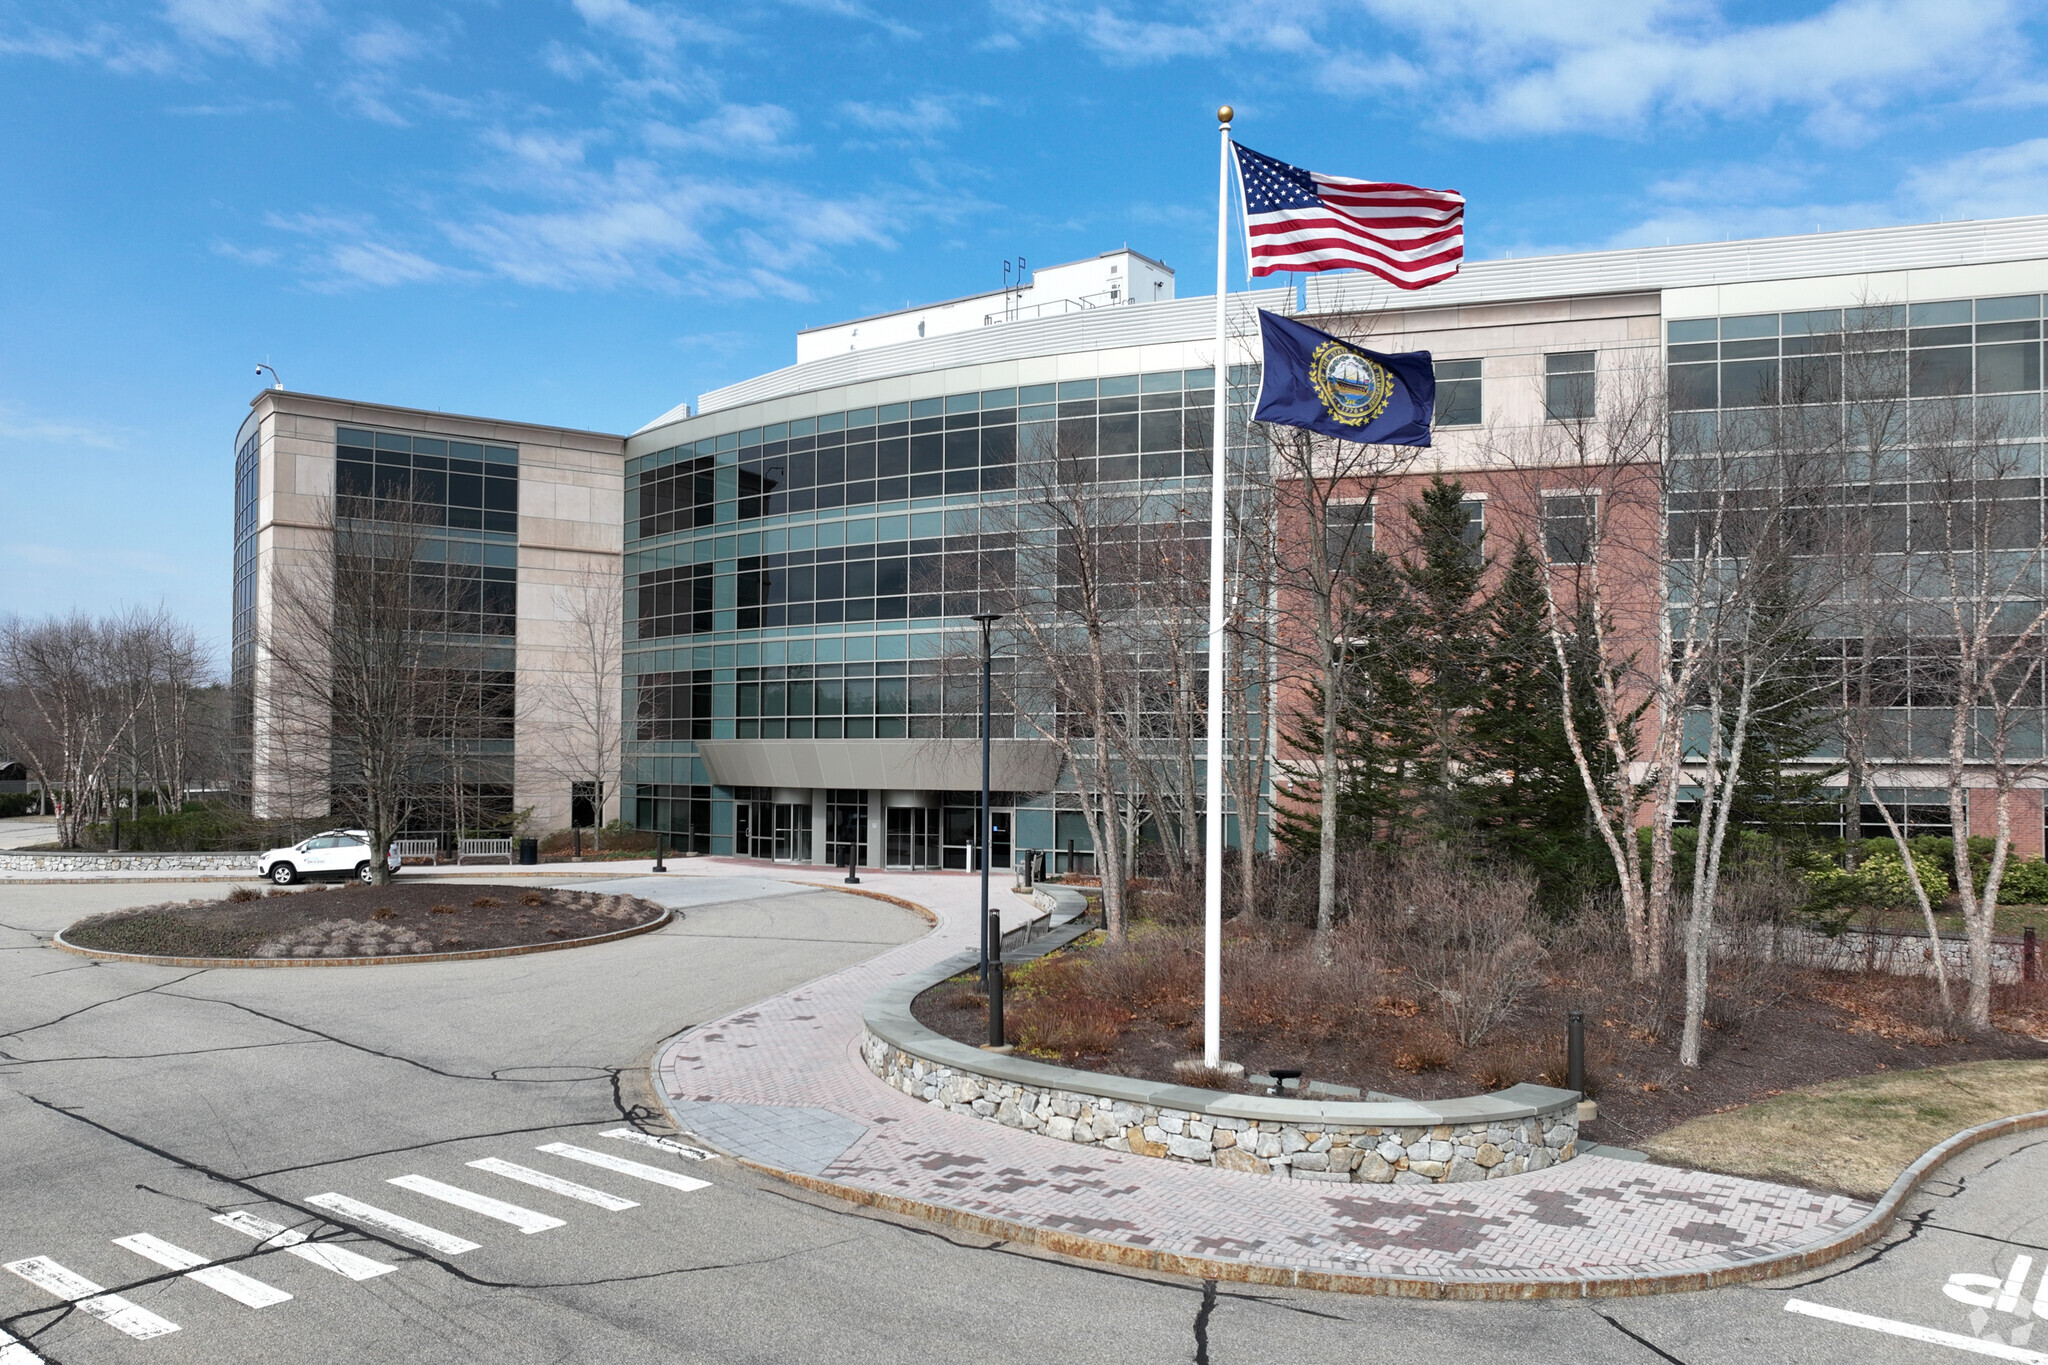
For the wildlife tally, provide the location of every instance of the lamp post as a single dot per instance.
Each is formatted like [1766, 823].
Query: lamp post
[991, 937]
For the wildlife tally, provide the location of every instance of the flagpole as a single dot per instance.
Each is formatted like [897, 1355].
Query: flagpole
[1219, 472]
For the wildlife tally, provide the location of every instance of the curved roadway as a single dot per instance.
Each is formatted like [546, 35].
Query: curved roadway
[173, 1108]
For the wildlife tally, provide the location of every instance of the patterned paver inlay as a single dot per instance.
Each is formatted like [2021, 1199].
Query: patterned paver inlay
[798, 1053]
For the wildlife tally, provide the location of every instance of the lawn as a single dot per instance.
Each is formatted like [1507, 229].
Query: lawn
[1854, 1134]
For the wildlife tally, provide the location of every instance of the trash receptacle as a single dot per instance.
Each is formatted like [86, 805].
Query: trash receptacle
[529, 852]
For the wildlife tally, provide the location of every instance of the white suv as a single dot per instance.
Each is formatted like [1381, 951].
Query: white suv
[344, 852]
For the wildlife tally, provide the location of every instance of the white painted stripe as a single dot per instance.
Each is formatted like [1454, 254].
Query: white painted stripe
[526, 1220]
[554, 1184]
[112, 1309]
[219, 1278]
[13, 1352]
[340, 1260]
[447, 1243]
[681, 1149]
[1913, 1331]
[624, 1167]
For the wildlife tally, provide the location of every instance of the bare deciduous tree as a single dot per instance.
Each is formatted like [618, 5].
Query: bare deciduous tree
[573, 726]
[364, 672]
[78, 695]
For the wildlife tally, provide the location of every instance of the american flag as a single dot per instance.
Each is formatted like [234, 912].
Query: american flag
[1298, 220]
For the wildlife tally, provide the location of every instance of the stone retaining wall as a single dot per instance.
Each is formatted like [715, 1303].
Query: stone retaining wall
[128, 862]
[1304, 1147]
[1406, 1142]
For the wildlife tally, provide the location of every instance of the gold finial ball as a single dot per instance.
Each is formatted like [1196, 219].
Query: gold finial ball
[1224, 114]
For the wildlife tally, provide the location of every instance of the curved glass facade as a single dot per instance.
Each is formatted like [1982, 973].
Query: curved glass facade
[807, 579]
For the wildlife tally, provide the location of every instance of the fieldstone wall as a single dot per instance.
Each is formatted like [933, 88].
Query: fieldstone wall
[128, 862]
[1394, 1153]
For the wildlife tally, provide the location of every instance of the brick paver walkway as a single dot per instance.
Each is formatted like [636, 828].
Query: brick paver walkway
[791, 1062]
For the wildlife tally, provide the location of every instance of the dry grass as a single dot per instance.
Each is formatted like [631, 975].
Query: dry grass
[487, 903]
[1854, 1135]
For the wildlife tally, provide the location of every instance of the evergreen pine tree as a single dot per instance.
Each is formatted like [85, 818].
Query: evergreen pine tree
[1377, 725]
[1527, 802]
[1442, 574]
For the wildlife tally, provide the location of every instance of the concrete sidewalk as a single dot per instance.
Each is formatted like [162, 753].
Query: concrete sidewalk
[781, 1084]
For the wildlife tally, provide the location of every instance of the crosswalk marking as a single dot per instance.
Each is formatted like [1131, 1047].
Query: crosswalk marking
[554, 1184]
[526, 1220]
[219, 1278]
[12, 1352]
[682, 1149]
[447, 1243]
[624, 1167]
[112, 1309]
[340, 1260]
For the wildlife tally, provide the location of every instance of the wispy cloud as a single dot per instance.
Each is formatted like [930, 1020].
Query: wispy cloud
[346, 251]
[922, 120]
[117, 49]
[16, 425]
[753, 131]
[267, 31]
[1610, 66]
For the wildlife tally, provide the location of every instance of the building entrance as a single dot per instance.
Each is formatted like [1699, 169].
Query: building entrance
[958, 850]
[913, 838]
[771, 829]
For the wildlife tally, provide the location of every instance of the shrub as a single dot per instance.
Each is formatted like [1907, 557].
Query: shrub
[487, 903]
[19, 803]
[1075, 1027]
[243, 894]
[2026, 883]
[1467, 938]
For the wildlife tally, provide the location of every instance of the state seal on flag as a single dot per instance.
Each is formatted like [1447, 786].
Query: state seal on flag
[1354, 388]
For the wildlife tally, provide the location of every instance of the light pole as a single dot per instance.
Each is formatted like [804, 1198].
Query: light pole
[991, 937]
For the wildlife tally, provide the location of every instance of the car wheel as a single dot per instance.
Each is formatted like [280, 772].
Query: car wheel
[363, 873]
[284, 874]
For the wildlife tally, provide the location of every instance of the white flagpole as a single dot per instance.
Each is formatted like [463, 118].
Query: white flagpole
[1219, 472]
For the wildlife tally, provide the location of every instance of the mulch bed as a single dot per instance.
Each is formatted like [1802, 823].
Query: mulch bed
[1797, 1027]
[353, 920]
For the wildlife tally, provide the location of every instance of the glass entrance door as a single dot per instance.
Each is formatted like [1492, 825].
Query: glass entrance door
[792, 833]
[958, 848]
[913, 837]
[773, 830]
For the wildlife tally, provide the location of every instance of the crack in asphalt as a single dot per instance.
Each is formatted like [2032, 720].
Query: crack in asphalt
[1638, 1338]
[1915, 1224]
[14, 1061]
[112, 1000]
[1986, 1237]
[1202, 1322]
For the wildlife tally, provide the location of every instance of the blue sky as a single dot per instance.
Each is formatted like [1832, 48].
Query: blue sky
[585, 211]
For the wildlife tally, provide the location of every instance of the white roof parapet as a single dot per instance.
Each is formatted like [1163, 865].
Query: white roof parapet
[1631, 270]
[1852, 252]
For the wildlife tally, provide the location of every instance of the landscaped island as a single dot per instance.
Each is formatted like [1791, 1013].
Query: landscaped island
[352, 922]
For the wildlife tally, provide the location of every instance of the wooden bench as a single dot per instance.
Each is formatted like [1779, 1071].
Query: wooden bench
[429, 849]
[483, 848]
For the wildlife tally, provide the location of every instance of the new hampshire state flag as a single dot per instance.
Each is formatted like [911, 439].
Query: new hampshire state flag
[1327, 385]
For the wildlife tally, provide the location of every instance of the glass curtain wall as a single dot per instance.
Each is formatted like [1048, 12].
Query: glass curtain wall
[812, 579]
[1947, 375]
[465, 577]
